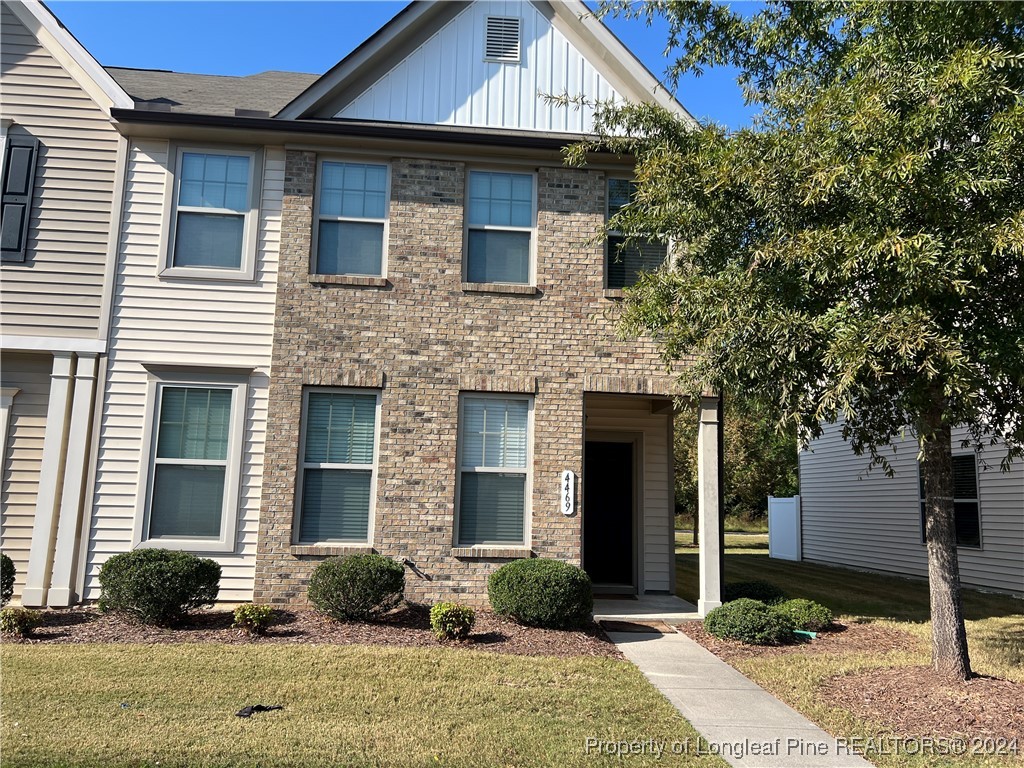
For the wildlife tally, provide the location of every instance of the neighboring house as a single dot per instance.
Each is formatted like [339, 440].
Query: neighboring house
[367, 312]
[867, 520]
[61, 163]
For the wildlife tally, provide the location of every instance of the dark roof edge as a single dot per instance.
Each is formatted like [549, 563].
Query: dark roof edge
[357, 129]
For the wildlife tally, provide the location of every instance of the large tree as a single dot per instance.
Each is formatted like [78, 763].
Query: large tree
[857, 254]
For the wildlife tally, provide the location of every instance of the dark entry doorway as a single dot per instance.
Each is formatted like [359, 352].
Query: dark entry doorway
[609, 545]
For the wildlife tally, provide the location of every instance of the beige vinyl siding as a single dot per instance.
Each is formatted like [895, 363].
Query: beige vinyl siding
[188, 323]
[31, 374]
[627, 414]
[864, 519]
[58, 290]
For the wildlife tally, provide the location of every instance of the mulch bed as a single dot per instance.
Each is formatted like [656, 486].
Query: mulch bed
[841, 638]
[915, 702]
[408, 626]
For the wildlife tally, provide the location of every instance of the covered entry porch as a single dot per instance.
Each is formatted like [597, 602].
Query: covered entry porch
[628, 503]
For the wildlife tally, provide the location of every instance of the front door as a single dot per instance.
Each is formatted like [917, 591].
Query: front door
[608, 509]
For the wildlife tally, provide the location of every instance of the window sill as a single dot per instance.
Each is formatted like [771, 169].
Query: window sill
[198, 273]
[521, 290]
[327, 550]
[614, 293]
[509, 553]
[362, 281]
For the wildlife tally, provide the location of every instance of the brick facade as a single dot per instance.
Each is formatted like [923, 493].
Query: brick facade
[421, 336]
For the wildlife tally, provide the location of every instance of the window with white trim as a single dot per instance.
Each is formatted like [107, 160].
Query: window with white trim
[193, 474]
[351, 219]
[966, 503]
[626, 259]
[494, 436]
[338, 467]
[214, 214]
[500, 222]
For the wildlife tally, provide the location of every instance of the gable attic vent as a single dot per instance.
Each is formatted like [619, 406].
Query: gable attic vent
[502, 39]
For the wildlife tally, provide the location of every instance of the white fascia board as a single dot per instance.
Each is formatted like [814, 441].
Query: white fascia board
[71, 55]
[52, 344]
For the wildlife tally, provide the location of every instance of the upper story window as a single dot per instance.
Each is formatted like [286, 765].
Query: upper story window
[351, 219]
[966, 505]
[624, 261]
[500, 220]
[214, 214]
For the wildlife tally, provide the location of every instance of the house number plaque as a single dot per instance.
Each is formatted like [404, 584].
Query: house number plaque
[568, 492]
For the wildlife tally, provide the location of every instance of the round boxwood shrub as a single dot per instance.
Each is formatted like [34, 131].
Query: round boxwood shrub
[19, 621]
[764, 591]
[253, 619]
[805, 614]
[357, 587]
[542, 593]
[7, 573]
[749, 621]
[157, 586]
[451, 621]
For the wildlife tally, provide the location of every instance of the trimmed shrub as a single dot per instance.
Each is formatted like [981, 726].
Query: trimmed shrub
[357, 587]
[805, 614]
[451, 621]
[19, 621]
[7, 574]
[253, 618]
[542, 593]
[749, 621]
[763, 591]
[157, 586]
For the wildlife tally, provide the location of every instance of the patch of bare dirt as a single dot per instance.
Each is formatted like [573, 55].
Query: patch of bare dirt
[915, 702]
[841, 638]
[408, 626]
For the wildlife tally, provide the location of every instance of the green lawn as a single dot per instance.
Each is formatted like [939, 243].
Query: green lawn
[174, 705]
[995, 628]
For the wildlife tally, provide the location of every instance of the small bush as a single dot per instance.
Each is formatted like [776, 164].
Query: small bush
[253, 618]
[542, 593]
[764, 591]
[749, 621]
[451, 621]
[7, 574]
[805, 614]
[357, 587]
[157, 586]
[19, 621]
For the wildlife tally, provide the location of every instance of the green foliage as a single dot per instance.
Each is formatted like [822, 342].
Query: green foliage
[252, 618]
[540, 592]
[357, 587]
[749, 621]
[451, 621]
[763, 591]
[157, 586]
[805, 614]
[7, 574]
[19, 621]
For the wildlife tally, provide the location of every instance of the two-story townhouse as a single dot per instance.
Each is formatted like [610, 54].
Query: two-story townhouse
[62, 162]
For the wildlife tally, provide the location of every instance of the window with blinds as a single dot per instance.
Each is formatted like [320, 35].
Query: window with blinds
[502, 40]
[212, 210]
[500, 222]
[493, 472]
[966, 506]
[337, 466]
[625, 260]
[352, 212]
[190, 463]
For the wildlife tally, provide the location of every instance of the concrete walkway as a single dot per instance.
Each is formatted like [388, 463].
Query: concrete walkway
[741, 721]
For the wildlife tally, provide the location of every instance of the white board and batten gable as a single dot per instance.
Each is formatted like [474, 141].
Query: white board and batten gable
[484, 64]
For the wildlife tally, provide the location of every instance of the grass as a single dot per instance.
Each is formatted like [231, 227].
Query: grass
[732, 524]
[174, 705]
[995, 629]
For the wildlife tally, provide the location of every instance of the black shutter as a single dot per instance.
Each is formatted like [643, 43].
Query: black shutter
[19, 174]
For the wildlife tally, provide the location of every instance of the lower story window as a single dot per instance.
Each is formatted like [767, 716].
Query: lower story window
[493, 470]
[965, 502]
[337, 460]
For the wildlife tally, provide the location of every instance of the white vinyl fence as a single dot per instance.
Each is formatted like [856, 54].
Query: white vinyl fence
[784, 528]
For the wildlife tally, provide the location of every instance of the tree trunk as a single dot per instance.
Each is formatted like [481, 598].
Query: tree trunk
[949, 636]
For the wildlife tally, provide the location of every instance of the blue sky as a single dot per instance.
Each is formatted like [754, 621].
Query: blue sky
[242, 38]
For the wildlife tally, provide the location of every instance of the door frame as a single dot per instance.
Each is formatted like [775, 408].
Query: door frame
[637, 440]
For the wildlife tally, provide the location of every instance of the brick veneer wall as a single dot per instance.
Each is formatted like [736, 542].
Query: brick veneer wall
[422, 338]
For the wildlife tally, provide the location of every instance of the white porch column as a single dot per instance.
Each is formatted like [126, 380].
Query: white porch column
[50, 474]
[7, 395]
[69, 521]
[709, 504]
